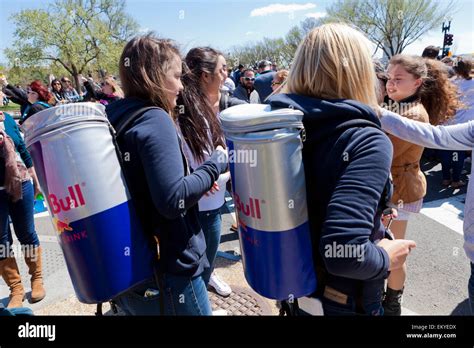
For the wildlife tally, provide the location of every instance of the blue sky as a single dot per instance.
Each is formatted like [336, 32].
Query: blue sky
[224, 23]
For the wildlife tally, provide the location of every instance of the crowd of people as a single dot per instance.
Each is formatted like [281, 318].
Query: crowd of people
[178, 155]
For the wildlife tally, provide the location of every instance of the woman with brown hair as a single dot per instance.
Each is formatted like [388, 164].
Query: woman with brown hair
[421, 91]
[162, 188]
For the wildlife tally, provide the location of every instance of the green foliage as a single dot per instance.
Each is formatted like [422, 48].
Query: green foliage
[280, 50]
[391, 24]
[71, 37]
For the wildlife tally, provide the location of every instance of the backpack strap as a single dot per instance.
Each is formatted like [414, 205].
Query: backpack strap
[117, 132]
[124, 123]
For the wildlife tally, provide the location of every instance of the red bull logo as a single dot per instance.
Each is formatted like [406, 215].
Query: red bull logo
[61, 226]
[74, 200]
[252, 209]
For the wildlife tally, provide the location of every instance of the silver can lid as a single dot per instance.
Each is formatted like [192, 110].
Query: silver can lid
[256, 117]
[62, 115]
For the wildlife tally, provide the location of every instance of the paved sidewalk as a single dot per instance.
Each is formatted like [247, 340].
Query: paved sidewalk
[61, 300]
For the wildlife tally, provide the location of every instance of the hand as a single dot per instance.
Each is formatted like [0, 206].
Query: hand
[387, 217]
[223, 155]
[397, 251]
[213, 190]
[37, 190]
[82, 78]
[3, 81]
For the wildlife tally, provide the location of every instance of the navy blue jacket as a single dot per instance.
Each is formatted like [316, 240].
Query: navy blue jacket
[344, 194]
[164, 196]
[12, 130]
[263, 84]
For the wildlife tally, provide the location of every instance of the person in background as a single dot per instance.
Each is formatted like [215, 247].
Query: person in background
[109, 92]
[58, 93]
[452, 162]
[459, 137]
[279, 79]
[263, 82]
[69, 91]
[245, 90]
[421, 91]
[431, 52]
[237, 73]
[35, 98]
[164, 191]
[18, 188]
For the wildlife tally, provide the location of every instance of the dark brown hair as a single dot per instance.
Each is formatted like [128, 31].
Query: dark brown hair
[437, 94]
[143, 66]
[198, 123]
[463, 66]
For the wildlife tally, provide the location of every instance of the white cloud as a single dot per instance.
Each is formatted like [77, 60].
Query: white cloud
[144, 30]
[280, 8]
[316, 15]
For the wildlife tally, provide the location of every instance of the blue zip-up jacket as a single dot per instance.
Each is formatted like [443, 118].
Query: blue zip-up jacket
[164, 196]
[344, 191]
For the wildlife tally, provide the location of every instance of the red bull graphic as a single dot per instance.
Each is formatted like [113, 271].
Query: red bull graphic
[100, 235]
[61, 226]
[74, 200]
[252, 209]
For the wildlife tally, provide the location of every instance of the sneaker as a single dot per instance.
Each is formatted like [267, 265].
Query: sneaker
[221, 287]
[219, 312]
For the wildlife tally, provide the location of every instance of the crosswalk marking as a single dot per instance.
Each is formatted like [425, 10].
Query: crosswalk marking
[448, 212]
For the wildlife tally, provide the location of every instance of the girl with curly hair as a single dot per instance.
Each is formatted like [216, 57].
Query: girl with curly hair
[421, 91]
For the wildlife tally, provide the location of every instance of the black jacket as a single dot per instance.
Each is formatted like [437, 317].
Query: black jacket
[164, 196]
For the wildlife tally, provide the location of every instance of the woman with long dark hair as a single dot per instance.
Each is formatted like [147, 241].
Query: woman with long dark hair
[162, 188]
[197, 112]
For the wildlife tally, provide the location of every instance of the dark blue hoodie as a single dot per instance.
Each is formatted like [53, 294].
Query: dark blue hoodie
[345, 181]
[164, 195]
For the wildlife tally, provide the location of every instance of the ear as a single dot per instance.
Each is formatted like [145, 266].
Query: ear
[205, 77]
[418, 83]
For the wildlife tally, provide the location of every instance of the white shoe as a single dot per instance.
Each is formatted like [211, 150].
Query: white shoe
[221, 287]
[219, 312]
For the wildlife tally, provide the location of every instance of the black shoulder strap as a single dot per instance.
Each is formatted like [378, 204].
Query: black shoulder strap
[124, 122]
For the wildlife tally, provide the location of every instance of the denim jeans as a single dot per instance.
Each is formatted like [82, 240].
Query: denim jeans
[183, 296]
[471, 288]
[211, 224]
[452, 160]
[372, 304]
[22, 216]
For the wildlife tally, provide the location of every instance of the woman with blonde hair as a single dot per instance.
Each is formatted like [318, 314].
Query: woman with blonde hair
[347, 160]
[110, 91]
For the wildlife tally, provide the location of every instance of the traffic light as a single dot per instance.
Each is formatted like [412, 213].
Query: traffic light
[448, 39]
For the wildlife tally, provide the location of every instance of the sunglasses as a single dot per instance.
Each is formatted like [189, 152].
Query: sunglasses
[249, 78]
[276, 83]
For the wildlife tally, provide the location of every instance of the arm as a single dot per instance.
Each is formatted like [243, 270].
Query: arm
[173, 193]
[456, 137]
[352, 208]
[16, 95]
[19, 142]
[92, 92]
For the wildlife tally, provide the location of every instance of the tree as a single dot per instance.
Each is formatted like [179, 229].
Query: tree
[75, 34]
[279, 51]
[391, 24]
